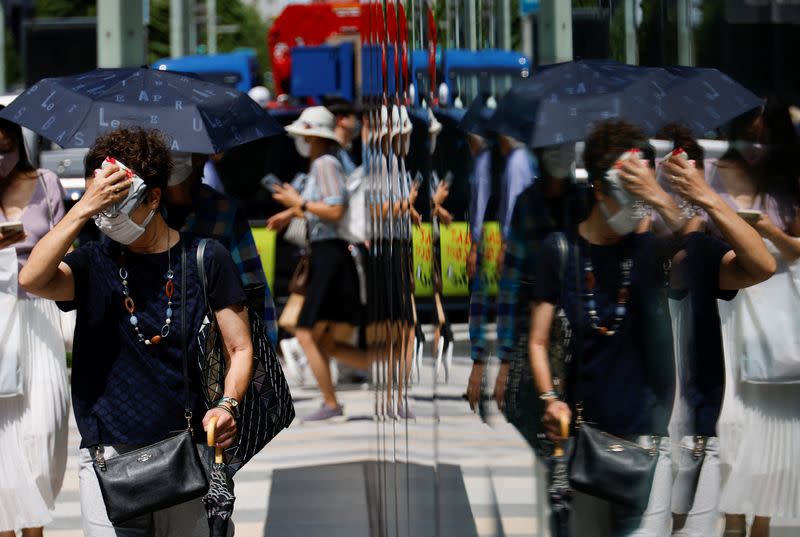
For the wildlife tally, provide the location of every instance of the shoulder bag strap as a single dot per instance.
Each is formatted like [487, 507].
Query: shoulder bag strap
[201, 269]
[47, 200]
[184, 336]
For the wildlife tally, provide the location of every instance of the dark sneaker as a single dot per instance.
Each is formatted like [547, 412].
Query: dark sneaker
[325, 413]
[405, 414]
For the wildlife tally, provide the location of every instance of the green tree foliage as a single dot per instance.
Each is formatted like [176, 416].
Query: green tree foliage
[251, 30]
[66, 8]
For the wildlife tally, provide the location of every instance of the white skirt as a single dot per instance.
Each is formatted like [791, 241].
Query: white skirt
[759, 434]
[35, 425]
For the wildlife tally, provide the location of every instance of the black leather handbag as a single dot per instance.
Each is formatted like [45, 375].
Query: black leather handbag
[612, 468]
[603, 465]
[160, 475]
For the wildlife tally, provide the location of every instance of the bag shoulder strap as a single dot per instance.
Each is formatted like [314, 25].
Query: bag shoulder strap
[184, 336]
[47, 200]
[201, 269]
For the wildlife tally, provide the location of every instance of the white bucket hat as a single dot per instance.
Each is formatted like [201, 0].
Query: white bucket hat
[314, 121]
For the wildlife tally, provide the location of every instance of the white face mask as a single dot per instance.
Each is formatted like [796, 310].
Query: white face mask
[302, 146]
[559, 161]
[181, 168]
[121, 228]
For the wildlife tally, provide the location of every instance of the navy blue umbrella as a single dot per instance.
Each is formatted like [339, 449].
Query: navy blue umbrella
[704, 99]
[562, 103]
[477, 117]
[195, 116]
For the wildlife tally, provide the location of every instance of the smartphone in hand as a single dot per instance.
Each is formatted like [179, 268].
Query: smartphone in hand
[269, 182]
[748, 215]
[9, 228]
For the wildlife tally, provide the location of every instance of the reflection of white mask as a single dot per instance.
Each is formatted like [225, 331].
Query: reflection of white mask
[120, 227]
[302, 146]
[624, 221]
[559, 160]
[181, 168]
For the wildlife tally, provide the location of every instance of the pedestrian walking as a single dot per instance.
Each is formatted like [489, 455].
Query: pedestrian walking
[34, 389]
[139, 307]
[332, 302]
[621, 379]
[759, 425]
[196, 208]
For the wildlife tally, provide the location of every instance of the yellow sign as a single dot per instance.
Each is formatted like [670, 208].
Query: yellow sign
[265, 244]
[491, 242]
[455, 243]
[423, 254]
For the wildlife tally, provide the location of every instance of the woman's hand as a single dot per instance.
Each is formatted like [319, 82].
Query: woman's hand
[443, 215]
[689, 182]
[475, 385]
[472, 260]
[108, 186]
[226, 427]
[280, 221]
[287, 195]
[441, 194]
[500, 384]
[11, 239]
[765, 226]
[416, 218]
[639, 179]
[553, 413]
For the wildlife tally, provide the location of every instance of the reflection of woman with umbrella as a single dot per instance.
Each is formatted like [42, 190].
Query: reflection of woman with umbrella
[612, 289]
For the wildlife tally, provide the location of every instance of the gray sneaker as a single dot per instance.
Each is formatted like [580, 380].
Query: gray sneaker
[325, 413]
[405, 414]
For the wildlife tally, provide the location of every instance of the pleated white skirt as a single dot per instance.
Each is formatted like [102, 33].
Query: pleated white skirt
[759, 434]
[35, 425]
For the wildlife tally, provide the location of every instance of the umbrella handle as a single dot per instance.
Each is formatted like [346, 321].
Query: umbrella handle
[211, 435]
[558, 451]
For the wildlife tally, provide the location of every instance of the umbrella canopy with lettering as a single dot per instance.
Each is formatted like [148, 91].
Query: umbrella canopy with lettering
[195, 116]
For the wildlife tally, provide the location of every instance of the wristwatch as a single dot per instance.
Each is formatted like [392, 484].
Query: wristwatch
[232, 403]
[548, 396]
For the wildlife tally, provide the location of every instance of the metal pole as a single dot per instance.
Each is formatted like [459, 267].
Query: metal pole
[211, 25]
[631, 47]
[2, 48]
[555, 32]
[685, 34]
[505, 6]
[179, 22]
[471, 21]
[120, 33]
[527, 36]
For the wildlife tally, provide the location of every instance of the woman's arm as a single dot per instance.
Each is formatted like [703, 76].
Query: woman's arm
[787, 245]
[542, 316]
[750, 262]
[45, 274]
[234, 328]
[291, 198]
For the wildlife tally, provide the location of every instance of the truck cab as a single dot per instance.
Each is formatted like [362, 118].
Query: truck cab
[237, 69]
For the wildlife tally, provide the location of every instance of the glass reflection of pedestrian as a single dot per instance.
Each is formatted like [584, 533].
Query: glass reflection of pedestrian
[759, 425]
[332, 297]
[196, 208]
[613, 293]
[34, 419]
[127, 374]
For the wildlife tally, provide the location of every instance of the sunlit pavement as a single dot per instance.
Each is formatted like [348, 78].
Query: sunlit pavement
[499, 473]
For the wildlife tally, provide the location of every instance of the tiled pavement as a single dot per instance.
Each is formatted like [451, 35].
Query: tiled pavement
[500, 475]
[462, 440]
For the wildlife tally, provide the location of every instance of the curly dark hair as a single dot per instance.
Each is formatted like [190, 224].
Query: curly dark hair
[681, 137]
[144, 151]
[606, 142]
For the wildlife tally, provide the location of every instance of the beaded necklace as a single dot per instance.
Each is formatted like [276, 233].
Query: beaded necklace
[589, 304]
[130, 306]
